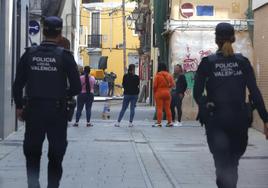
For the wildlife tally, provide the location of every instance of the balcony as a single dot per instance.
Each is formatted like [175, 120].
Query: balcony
[92, 1]
[94, 41]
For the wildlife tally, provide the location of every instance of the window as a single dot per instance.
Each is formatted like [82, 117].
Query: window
[94, 59]
[95, 23]
[95, 39]
[205, 10]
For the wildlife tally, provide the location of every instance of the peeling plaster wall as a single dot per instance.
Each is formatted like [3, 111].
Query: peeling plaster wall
[188, 47]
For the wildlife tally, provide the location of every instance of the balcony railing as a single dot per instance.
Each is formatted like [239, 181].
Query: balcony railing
[94, 41]
[92, 1]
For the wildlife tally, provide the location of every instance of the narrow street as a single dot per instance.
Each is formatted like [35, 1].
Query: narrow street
[104, 156]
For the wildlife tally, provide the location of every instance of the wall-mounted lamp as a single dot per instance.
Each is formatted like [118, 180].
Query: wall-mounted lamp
[135, 20]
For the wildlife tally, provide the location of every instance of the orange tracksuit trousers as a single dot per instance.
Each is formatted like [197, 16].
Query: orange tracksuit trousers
[162, 100]
[163, 82]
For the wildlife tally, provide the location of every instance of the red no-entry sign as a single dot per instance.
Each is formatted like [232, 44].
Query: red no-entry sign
[187, 10]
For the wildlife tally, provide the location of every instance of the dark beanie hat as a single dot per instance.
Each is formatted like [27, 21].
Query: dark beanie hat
[224, 31]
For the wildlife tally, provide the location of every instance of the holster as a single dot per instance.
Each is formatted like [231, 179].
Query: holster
[25, 105]
[70, 107]
[204, 112]
[250, 107]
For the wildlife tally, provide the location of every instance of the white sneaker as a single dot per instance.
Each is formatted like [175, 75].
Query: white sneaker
[169, 124]
[117, 124]
[179, 124]
[175, 124]
[130, 124]
[157, 125]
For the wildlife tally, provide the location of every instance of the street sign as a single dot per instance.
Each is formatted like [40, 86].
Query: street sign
[187, 10]
[34, 27]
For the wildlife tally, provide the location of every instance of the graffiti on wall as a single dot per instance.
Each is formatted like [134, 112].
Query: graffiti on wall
[188, 48]
[190, 65]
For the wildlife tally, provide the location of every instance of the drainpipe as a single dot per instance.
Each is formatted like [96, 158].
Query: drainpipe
[250, 16]
[111, 31]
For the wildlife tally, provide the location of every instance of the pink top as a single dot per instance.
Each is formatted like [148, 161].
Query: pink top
[91, 82]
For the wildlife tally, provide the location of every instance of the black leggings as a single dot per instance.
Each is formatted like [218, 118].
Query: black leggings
[176, 102]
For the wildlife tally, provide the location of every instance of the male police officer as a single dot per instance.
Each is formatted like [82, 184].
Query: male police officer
[44, 70]
[226, 76]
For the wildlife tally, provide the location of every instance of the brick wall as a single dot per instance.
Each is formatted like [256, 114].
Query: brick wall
[261, 55]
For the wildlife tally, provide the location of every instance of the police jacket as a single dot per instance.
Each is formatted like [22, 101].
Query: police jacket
[225, 80]
[45, 71]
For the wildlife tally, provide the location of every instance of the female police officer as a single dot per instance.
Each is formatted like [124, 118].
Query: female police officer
[225, 76]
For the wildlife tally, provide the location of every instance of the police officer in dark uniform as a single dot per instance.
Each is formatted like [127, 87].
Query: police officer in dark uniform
[226, 75]
[44, 72]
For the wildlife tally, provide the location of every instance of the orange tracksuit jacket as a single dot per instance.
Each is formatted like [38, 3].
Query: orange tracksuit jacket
[163, 82]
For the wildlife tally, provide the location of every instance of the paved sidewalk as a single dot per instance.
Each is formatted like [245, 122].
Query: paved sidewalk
[104, 156]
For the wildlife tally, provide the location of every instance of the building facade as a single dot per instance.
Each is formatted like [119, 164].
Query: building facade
[101, 34]
[189, 36]
[17, 33]
[260, 43]
[67, 10]
[14, 37]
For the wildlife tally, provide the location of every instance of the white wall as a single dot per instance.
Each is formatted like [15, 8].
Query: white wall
[257, 3]
[66, 17]
[6, 110]
[7, 51]
[188, 47]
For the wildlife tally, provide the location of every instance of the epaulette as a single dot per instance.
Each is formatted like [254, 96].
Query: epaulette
[212, 57]
[30, 49]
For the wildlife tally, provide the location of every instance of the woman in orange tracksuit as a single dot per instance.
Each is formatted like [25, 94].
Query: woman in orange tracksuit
[163, 82]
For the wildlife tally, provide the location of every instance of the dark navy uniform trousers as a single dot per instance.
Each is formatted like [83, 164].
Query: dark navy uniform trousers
[45, 118]
[227, 137]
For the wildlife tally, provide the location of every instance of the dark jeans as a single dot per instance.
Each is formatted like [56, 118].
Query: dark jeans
[84, 99]
[111, 89]
[227, 140]
[176, 102]
[45, 118]
[132, 99]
